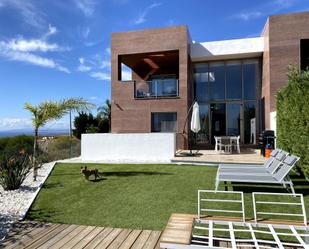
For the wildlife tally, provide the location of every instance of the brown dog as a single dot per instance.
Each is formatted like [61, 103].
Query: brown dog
[89, 172]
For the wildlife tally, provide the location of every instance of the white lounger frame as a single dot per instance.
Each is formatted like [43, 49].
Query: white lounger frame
[253, 229]
[212, 210]
[299, 197]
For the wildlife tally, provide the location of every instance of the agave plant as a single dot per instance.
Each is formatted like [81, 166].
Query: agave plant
[14, 167]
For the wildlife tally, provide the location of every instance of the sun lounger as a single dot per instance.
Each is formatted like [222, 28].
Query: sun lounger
[186, 231]
[270, 167]
[280, 176]
[277, 153]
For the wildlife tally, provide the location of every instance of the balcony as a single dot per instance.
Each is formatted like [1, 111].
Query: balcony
[158, 88]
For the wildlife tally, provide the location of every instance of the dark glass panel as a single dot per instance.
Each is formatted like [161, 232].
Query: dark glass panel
[233, 119]
[218, 125]
[216, 81]
[163, 122]
[249, 114]
[201, 82]
[233, 80]
[250, 78]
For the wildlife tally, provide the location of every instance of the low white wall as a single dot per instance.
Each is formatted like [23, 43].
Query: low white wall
[138, 147]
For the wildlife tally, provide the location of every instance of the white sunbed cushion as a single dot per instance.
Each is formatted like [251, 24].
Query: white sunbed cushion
[274, 152]
[281, 155]
[290, 160]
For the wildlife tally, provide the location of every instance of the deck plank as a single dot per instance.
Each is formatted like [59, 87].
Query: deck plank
[68, 237]
[58, 237]
[109, 238]
[75, 240]
[41, 236]
[42, 239]
[120, 239]
[178, 229]
[141, 240]
[152, 240]
[29, 237]
[99, 238]
[87, 239]
[130, 239]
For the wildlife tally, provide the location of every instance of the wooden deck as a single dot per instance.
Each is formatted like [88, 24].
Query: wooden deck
[38, 235]
[246, 156]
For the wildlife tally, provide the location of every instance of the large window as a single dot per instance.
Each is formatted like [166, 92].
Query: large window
[249, 121]
[201, 82]
[250, 78]
[233, 119]
[216, 81]
[163, 122]
[304, 54]
[227, 80]
[233, 80]
[228, 93]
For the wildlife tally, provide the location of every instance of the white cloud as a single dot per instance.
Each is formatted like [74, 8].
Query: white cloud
[7, 124]
[51, 31]
[33, 45]
[142, 17]
[93, 98]
[82, 67]
[269, 8]
[86, 6]
[32, 59]
[105, 64]
[24, 50]
[27, 10]
[249, 15]
[100, 75]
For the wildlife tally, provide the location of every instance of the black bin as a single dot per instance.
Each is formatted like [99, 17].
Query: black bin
[267, 138]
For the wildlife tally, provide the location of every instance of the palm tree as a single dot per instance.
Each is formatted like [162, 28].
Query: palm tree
[48, 111]
[104, 112]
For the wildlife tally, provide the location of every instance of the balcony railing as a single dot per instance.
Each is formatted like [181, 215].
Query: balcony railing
[158, 88]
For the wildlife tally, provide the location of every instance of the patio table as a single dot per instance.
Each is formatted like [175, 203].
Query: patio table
[228, 147]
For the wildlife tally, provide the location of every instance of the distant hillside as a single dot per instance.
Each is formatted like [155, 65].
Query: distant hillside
[12, 133]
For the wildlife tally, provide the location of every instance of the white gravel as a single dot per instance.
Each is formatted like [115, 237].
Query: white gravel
[15, 204]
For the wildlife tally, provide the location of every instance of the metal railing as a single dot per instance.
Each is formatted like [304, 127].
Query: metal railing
[156, 88]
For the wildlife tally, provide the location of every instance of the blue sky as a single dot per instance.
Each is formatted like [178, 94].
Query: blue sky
[50, 50]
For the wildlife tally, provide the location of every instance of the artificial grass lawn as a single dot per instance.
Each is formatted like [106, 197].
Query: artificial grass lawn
[130, 196]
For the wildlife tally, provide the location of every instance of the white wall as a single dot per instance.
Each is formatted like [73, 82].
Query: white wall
[237, 48]
[138, 147]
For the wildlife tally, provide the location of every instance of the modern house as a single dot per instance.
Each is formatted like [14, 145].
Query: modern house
[234, 81]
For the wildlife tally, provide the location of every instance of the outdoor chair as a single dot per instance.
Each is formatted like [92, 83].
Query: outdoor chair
[280, 176]
[269, 166]
[236, 144]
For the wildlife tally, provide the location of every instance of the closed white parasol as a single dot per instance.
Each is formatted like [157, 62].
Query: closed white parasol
[195, 119]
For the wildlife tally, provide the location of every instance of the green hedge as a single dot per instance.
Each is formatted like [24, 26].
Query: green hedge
[292, 103]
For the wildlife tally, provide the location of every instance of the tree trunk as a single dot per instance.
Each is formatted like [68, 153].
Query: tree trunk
[35, 146]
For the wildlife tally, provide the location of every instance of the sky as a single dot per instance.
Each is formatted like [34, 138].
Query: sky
[51, 50]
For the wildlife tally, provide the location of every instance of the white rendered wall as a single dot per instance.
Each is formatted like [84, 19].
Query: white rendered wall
[138, 147]
[237, 48]
[273, 123]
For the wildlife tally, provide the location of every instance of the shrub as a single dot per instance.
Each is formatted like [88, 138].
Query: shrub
[59, 148]
[293, 117]
[17, 143]
[14, 167]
